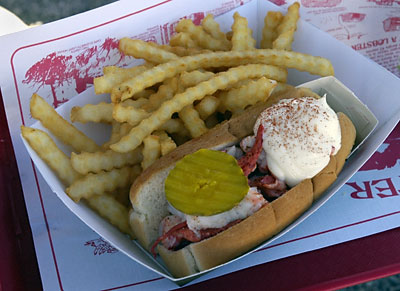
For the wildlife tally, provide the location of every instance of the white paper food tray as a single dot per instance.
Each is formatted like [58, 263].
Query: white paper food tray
[369, 81]
[337, 95]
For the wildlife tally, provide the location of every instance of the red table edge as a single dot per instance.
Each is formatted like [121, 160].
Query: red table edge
[18, 266]
[357, 279]
[19, 269]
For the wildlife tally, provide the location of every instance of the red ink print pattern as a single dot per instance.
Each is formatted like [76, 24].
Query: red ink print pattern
[101, 247]
[278, 2]
[389, 157]
[320, 3]
[385, 2]
[77, 66]
[347, 20]
[391, 24]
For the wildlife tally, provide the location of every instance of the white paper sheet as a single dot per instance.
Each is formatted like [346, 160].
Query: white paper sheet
[371, 27]
[64, 244]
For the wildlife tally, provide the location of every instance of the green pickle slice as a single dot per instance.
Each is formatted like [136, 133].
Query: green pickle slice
[205, 183]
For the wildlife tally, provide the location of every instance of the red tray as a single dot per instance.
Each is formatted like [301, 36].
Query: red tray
[333, 267]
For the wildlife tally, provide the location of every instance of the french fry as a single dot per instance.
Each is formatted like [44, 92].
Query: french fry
[174, 125]
[183, 39]
[120, 131]
[284, 40]
[101, 112]
[179, 101]
[202, 38]
[166, 143]
[212, 27]
[269, 33]
[302, 62]
[229, 35]
[180, 50]
[142, 50]
[129, 114]
[189, 79]
[138, 103]
[192, 121]
[100, 183]
[114, 76]
[151, 150]
[287, 28]
[165, 92]
[112, 210]
[122, 195]
[85, 163]
[114, 137]
[237, 99]
[281, 88]
[242, 38]
[61, 128]
[48, 151]
[207, 106]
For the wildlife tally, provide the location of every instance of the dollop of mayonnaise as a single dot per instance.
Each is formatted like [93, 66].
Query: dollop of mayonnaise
[252, 202]
[300, 135]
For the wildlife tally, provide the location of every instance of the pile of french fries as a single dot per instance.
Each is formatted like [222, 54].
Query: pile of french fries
[203, 77]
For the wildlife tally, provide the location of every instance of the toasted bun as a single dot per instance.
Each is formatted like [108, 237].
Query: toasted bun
[150, 205]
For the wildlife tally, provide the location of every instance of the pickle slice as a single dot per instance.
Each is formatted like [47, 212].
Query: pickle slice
[205, 183]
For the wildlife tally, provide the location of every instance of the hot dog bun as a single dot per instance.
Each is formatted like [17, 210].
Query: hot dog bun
[150, 205]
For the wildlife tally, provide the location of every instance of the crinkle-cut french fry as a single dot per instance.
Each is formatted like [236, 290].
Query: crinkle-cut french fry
[284, 40]
[192, 121]
[165, 92]
[122, 195]
[189, 79]
[115, 136]
[269, 33]
[202, 38]
[289, 21]
[302, 62]
[58, 126]
[242, 38]
[142, 50]
[48, 151]
[286, 28]
[207, 106]
[239, 84]
[112, 210]
[129, 114]
[85, 163]
[174, 125]
[179, 101]
[180, 51]
[229, 35]
[120, 131]
[136, 103]
[100, 183]
[183, 51]
[236, 100]
[151, 150]
[212, 27]
[101, 112]
[114, 76]
[144, 94]
[183, 39]
[281, 88]
[167, 144]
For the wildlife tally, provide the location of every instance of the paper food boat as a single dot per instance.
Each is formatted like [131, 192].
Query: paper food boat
[376, 88]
